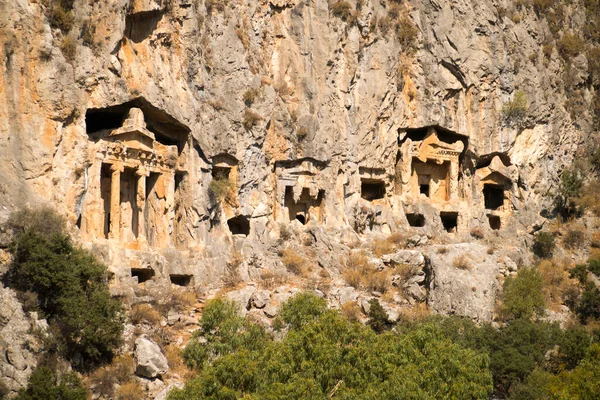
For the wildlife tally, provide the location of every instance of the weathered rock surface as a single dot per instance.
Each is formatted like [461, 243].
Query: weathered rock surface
[467, 287]
[150, 361]
[17, 360]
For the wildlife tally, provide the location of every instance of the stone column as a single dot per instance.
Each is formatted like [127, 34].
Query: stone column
[170, 205]
[115, 201]
[453, 179]
[141, 173]
[91, 224]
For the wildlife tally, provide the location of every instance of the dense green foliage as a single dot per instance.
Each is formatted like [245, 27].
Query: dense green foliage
[44, 384]
[523, 296]
[70, 286]
[324, 354]
[587, 304]
[543, 245]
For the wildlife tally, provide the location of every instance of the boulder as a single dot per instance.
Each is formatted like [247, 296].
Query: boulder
[150, 361]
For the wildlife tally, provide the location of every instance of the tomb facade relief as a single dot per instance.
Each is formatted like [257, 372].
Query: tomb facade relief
[429, 168]
[299, 192]
[135, 184]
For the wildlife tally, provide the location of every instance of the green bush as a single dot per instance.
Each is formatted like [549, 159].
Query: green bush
[522, 295]
[325, 355]
[569, 191]
[302, 309]
[222, 331]
[222, 190]
[570, 46]
[378, 318]
[514, 111]
[588, 304]
[45, 384]
[70, 284]
[543, 244]
[60, 15]
[574, 239]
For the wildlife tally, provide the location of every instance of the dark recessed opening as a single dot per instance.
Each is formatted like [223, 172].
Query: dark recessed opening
[178, 180]
[424, 189]
[143, 274]
[99, 120]
[495, 222]
[372, 189]
[139, 26]
[105, 187]
[301, 218]
[167, 129]
[493, 196]
[239, 225]
[450, 221]
[180, 280]
[417, 220]
[78, 223]
[221, 173]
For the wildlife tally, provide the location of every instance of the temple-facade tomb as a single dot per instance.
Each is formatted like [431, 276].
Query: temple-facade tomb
[299, 192]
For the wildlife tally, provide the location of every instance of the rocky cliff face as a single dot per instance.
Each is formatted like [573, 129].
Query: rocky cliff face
[361, 117]
[195, 142]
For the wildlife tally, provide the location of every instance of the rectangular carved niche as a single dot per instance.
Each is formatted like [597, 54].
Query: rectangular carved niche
[432, 179]
[495, 222]
[450, 221]
[372, 189]
[180, 280]
[306, 208]
[416, 220]
[493, 196]
[142, 274]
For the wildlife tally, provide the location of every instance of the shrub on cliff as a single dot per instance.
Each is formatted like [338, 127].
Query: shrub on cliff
[514, 111]
[44, 383]
[543, 245]
[323, 355]
[70, 284]
[523, 296]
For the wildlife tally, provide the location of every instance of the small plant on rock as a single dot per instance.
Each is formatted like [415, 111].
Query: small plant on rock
[514, 111]
[293, 261]
[543, 245]
[250, 96]
[250, 119]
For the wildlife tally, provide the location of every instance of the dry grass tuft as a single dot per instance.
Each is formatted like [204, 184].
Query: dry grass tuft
[360, 273]
[144, 312]
[380, 247]
[351, 310]
[418, 312]
[462, 262]
[270, 279]
[293, 261]
[555, 282]
[131, 390]
[477, 233]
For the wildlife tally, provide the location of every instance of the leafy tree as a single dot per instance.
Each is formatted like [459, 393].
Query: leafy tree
[378, 318]
[222, 331]
[588, 305]
[523, 296]
[324, 354]
[70, 284]
[583, 382]
[45, 384]
[302, 309]
[569, 190]
[543, 245]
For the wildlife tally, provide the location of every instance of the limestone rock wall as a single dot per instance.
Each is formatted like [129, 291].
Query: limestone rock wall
[272, 81]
